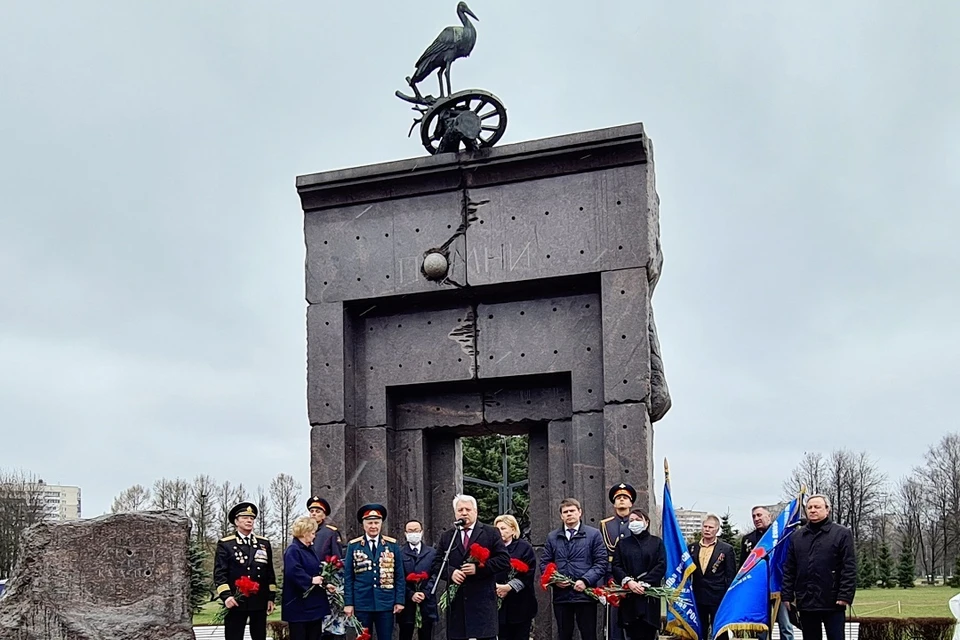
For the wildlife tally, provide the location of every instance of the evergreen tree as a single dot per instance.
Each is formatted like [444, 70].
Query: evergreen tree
[199, 581]
[885, 567]
[483, 459]
[730, 535]
[954, 580]
[866, 571]
[905, 569]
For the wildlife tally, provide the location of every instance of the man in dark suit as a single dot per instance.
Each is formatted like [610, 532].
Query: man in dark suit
[716, 566]
[418, 558]
[245, 554]
[762, 518]
[477, 584]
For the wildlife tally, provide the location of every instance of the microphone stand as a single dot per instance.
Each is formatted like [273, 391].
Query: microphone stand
[446, 556]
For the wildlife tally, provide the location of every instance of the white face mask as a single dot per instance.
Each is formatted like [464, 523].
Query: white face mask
[414, 538]
[637, 526]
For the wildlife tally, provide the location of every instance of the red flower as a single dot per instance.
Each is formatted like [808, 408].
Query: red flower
[613, 599]
[246, 586]
[417, 577]
[480, 554]
[519, 565]
[548, 572]
[364, 635]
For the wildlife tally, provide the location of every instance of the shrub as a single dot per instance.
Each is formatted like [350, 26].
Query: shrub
[905, 628]
[278, 630]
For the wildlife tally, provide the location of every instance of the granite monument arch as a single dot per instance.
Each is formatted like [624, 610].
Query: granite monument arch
[532, 314]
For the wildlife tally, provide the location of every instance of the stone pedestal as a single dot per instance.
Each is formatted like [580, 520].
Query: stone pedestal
[542, 324]
[117, 577]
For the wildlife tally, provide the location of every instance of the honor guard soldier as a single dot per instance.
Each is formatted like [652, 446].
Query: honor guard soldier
[617, 526]
[327, 542]
[374, 586]
[245, 554]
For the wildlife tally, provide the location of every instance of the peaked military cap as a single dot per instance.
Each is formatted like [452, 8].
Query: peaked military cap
[317, 501]
[372, 511]
[623, 489]
[244, 509]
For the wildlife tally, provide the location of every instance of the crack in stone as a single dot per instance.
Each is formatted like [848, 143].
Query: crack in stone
[465, 335]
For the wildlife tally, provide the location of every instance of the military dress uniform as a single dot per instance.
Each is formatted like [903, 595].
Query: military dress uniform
[250, 556]
[373, 576]
[613, 530]
[328, 543]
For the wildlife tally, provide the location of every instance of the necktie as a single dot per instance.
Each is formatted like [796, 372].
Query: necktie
[466, 538]
[373, 546]
[570, 533]
[416, 551]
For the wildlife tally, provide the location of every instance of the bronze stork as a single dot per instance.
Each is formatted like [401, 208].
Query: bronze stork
[452, 43]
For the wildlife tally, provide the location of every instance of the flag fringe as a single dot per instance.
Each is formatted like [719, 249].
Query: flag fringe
[681, 629]
[741, 626]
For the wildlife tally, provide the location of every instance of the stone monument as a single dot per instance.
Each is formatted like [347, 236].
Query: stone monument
[116, 577]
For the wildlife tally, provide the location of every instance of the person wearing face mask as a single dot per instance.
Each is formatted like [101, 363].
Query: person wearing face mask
[639, 561]
[418, 557]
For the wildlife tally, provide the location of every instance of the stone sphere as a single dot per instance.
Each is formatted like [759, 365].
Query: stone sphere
[435, 265]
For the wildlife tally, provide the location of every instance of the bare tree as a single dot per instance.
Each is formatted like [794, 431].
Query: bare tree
[22, 504]
[942, 476]
[286, 492]
[171, 494]
[861, 490]
[910, 506]
[810, 473]
[264, 519]
[228, 496]
[203, 495]
[135, 498]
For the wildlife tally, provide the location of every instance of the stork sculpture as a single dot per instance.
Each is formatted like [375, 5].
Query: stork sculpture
[452, 43]
[471, 119]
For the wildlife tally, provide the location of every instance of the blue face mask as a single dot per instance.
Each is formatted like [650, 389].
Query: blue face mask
[637, 527]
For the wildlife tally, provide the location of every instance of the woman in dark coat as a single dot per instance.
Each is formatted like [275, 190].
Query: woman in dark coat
[519, 600]
[301, 572]
[639, 560]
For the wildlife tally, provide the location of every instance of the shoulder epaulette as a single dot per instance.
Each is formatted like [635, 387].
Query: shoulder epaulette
[330, 526]
[357, 539]
[262, 538]
[228, 538]
[389, 539]
[605, 520]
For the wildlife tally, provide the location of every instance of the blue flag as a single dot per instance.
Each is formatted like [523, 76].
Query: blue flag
[682, 618]
[749, 603]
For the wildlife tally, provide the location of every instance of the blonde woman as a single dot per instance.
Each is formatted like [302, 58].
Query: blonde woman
[519, 606]
[301, 573]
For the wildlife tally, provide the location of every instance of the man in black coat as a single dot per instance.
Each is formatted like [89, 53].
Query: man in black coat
[418, 558]
[244, 554]
[473, 612]
[639, 560]
[762, 518]
[716, 567]
[328, 541]
[820, 573]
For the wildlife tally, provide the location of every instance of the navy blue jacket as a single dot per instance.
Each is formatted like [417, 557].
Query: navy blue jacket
[300, 565]
[373, 583]
[583, 557]
[415, 564]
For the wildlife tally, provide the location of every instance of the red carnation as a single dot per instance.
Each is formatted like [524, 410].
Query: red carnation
[480, 554]
[247, 587]
[548, 572]
[519, 565]
[417, 577]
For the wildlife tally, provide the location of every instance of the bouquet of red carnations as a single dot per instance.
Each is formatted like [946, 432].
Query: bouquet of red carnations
[477, 555]
[245, 588]
[417, 579]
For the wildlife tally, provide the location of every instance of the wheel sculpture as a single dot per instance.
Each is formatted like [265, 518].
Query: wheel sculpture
[476, 119]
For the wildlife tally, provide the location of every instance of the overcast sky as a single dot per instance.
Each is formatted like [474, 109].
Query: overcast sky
[151, 241]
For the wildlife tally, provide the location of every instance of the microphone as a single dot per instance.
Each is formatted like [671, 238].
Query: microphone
[460, 523]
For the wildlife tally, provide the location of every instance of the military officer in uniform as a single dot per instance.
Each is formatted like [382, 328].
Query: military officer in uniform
[327, 542]
[245, 554]
[374, 586]
[617, 526]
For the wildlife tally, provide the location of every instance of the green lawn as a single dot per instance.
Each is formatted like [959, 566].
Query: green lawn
[210, 610]
[919, 602]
